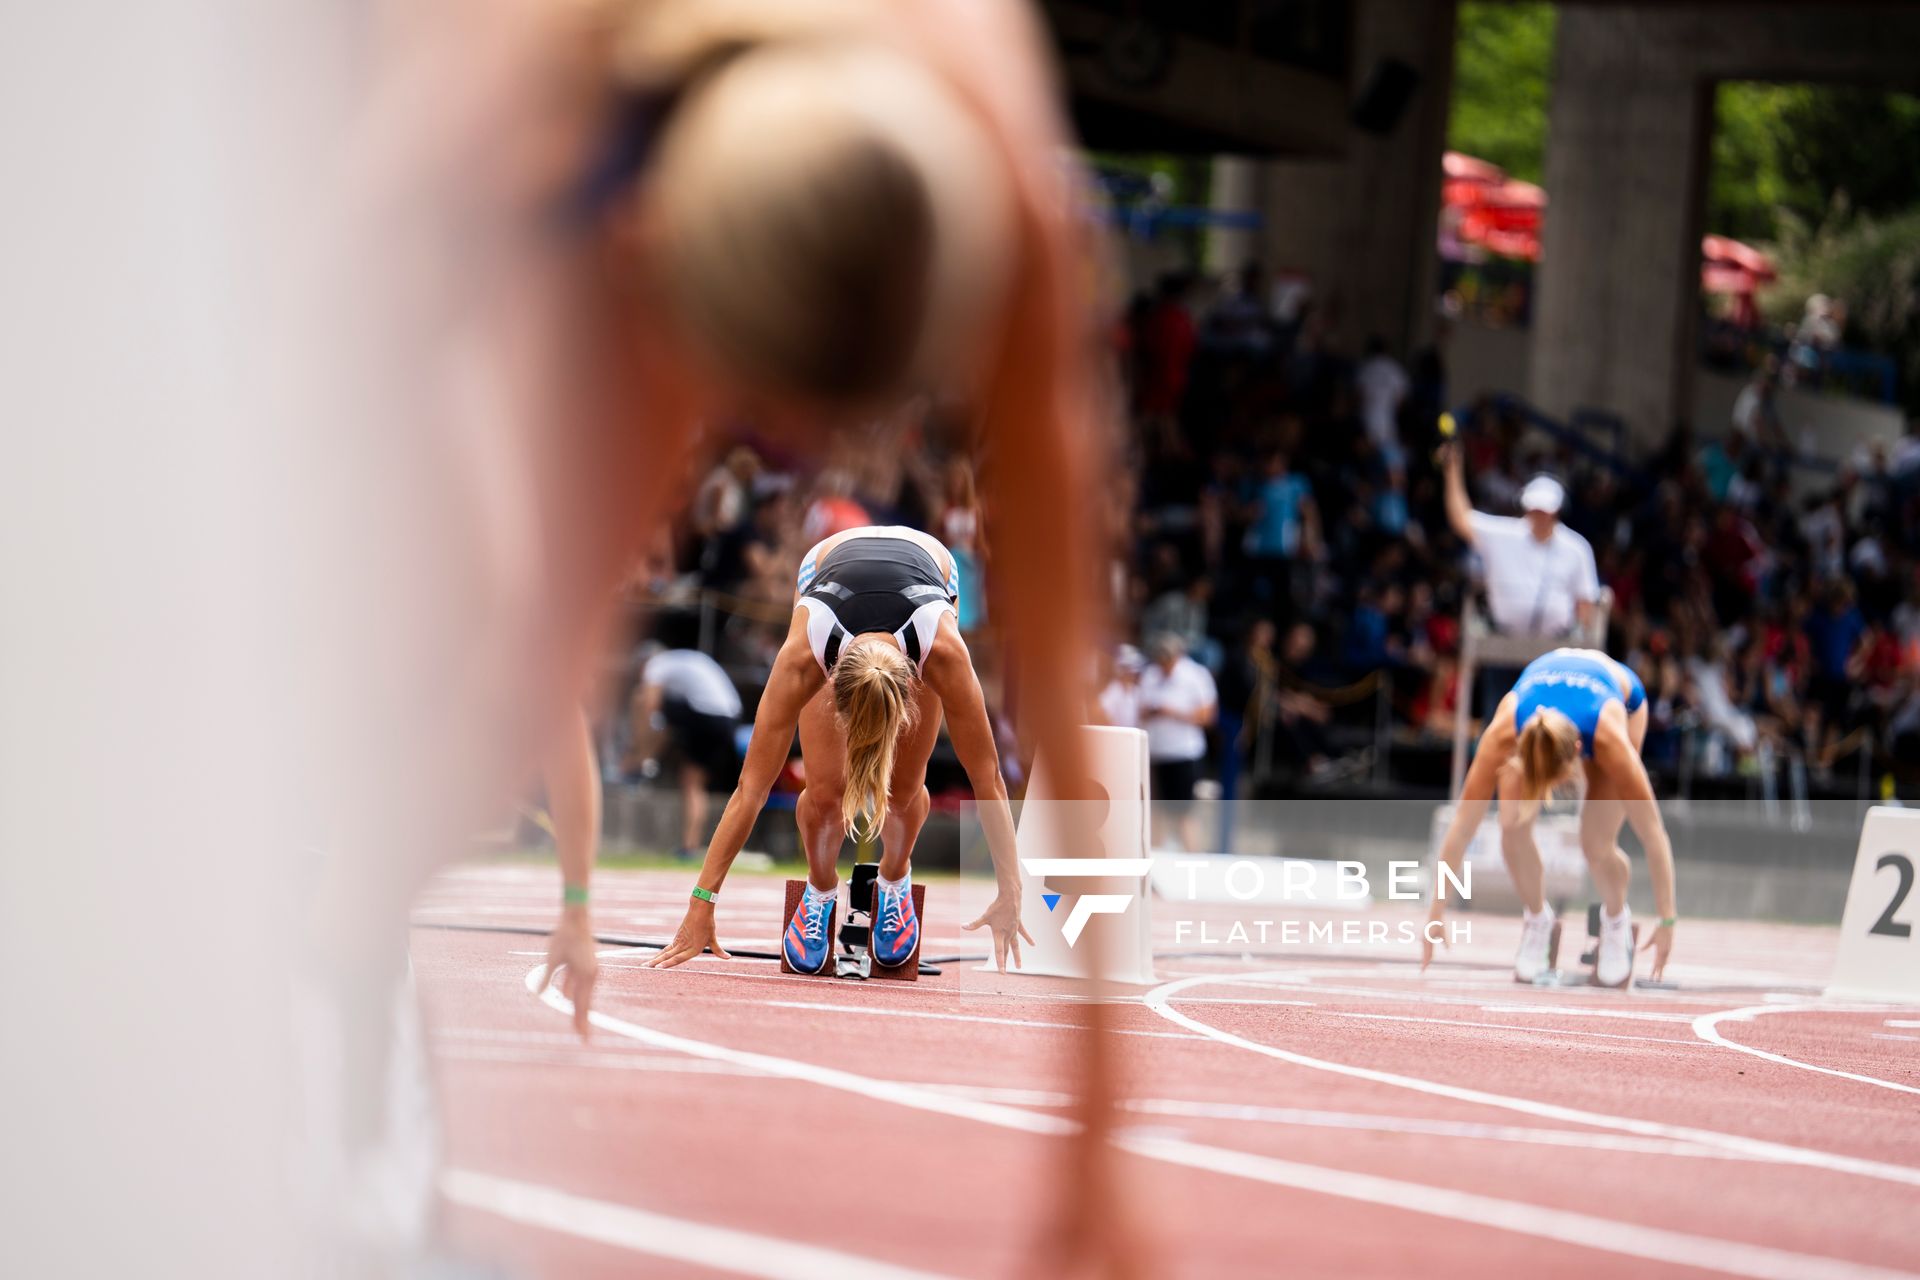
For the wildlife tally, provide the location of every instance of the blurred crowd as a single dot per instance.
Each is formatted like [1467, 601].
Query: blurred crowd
[1291, 588]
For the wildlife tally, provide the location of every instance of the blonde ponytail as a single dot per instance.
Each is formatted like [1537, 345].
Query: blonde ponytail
[873, 693]
[1547, 749]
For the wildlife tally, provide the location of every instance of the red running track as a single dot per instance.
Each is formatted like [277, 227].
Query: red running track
[1300, 1114]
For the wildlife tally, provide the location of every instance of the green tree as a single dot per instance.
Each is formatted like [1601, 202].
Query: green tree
[1502, 62]
[1797, 149]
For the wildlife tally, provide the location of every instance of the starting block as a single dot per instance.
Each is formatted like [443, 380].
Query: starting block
[853, 954]
[1879, 955]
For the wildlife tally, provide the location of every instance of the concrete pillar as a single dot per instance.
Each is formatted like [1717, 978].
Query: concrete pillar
[1616, 291]
[1362, 227]
[1236, 189]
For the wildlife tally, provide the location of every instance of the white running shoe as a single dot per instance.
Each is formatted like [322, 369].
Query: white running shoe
[1536, 939]
[1613, 967]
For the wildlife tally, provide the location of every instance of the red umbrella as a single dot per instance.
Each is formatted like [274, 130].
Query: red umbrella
[1728, 266]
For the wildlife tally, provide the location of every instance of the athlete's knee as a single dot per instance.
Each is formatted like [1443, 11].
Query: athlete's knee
[913, 804]
[815, 803]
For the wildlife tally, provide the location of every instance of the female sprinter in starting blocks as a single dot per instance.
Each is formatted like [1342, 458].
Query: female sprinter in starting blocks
[871, 661]
[1571, 708]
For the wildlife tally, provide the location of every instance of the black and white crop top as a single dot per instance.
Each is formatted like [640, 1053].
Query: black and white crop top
[878, 581]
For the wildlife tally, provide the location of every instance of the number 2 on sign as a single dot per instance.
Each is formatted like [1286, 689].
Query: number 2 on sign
[1903, 867]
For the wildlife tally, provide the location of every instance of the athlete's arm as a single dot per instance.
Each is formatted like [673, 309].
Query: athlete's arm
[1624, 777]
[796, 678]
[1476, 793]
[573, 799]
[1459, 506]
[949, 673]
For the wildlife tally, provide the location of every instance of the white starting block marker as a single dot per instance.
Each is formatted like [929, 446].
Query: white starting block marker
[1879, 957]
[1068, 892]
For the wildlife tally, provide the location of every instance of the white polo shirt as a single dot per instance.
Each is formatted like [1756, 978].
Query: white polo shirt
[1533, 586]
[1185, 689]
[695, 679]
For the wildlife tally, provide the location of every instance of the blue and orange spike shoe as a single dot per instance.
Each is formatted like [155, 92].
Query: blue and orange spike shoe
[896, 929]
[808, 941]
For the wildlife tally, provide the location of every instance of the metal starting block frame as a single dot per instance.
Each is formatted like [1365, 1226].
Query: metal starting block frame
[853, 956]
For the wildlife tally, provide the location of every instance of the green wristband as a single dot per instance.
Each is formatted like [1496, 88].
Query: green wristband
[1667, 922]
[574, 895]
[705, 895]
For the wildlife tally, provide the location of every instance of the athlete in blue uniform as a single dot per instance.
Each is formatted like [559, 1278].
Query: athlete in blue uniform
[1570, 709]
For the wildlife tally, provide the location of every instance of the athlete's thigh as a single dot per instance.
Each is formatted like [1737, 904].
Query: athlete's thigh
[823, 745]
[1516, 813]
[916, 744]
[1637, 726]
[1601, 818]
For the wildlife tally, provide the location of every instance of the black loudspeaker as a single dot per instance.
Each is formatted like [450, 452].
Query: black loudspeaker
[1384, 100]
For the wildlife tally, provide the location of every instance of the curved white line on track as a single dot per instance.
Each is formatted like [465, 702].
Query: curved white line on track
[1158, 998]
[1707, 1027]
[1608, 1235]
[706, 1246]
[1671, 1248]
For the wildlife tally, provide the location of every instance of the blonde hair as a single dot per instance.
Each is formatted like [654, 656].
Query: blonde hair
[1547, 749]
[873, 694]
[832, 216]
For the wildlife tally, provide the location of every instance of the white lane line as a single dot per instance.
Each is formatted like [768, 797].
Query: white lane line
[1731, 1257]
[1903, 1022]
[1374, 1122]
[661, 1236]
[1503, 1026]
[1158, 1000]
[672, 1065]
[1543, 1011]
[1707, 1027]
[906, 1095]
[1882, 1035]
[1519, 1217]
[961, 1017]
[1419, 1126]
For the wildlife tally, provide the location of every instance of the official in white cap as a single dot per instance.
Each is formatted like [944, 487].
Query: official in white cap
[1540, 575]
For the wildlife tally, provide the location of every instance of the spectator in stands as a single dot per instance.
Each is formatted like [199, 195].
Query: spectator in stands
[1756, 411]
[1833, 632]
[1167, 341]
[1383, 387]
[1182, 610]
[1540, 575]
[834, 508]
[1247, 690]
[721, 502]
[1713, 686]
[958, 525]
[1120, 699]
[1283, 531]
[1720, 461]
[1817, 337]
[685, 704]
[1178, 704]
[1301, 713]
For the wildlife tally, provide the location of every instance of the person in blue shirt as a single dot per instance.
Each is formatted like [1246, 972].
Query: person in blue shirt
[1283, 530]
[1571, 711]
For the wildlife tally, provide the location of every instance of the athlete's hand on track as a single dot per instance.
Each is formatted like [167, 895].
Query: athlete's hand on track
[1003, 916]
[1435, 915]
[695, 935]
[571, 954]
[1660, 943]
